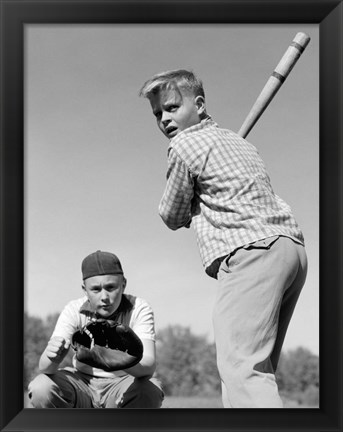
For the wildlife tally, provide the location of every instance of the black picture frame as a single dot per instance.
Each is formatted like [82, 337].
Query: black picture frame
[328, 14]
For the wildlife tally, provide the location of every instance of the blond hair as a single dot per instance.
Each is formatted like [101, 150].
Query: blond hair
[173, 79]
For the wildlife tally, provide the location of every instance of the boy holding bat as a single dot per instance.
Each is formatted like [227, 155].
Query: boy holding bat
[247, 236]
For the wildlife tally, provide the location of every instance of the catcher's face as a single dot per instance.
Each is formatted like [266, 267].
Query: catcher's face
[104, 293]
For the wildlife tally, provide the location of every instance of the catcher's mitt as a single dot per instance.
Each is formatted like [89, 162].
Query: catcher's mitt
[107, 345]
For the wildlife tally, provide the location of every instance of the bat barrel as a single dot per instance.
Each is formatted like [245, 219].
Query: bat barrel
[275, 81]
[291, 56]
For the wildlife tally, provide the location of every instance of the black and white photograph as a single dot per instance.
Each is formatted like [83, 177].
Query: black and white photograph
[170, 216]
[96, 164]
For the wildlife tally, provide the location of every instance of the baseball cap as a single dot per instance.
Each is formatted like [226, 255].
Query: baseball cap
[100, 263]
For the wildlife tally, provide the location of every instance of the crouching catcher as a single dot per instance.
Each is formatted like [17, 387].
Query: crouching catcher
[113, 338]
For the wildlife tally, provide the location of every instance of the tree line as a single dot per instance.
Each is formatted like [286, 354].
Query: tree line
[186, 363]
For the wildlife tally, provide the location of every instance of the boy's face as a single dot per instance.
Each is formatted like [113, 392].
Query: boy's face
[176, 110]
[104, 293]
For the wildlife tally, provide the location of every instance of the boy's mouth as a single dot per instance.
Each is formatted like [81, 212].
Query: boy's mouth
[171, 131]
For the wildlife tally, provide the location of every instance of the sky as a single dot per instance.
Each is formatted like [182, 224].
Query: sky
[95, 161]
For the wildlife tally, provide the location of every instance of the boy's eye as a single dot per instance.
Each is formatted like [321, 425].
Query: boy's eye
[173, 108]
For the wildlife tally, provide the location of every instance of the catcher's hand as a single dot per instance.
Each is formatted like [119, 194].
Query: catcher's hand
[57, 349]
[107, 345]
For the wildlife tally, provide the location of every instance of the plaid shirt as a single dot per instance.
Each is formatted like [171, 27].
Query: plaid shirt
[218, 181]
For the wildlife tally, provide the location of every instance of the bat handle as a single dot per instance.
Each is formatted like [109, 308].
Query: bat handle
[275, 81]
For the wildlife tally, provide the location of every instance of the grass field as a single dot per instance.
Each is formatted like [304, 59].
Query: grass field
[197, 402]
[211, 402]
[192, 402]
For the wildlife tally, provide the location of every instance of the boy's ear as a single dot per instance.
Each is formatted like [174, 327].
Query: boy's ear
[124, 283]
[200, 104]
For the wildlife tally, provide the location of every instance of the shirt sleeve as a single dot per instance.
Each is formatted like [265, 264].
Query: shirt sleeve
[175, 206]
[67, 322]
[142, 320]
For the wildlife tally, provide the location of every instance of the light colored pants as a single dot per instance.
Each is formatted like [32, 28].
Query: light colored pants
[69, 388]
[259, 286]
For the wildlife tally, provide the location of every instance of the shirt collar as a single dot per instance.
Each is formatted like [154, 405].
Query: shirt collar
[206, 122]
[125, 306]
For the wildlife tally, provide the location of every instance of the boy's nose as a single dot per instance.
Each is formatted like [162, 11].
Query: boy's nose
[165, 118]
[104, 295]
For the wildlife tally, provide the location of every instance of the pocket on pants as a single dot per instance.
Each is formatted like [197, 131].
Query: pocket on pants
[235, 257]
[262, 244]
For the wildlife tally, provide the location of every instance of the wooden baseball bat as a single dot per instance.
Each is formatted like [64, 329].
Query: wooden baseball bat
[275, 81]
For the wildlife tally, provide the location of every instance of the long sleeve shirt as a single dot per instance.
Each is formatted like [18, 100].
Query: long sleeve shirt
[217, 181]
